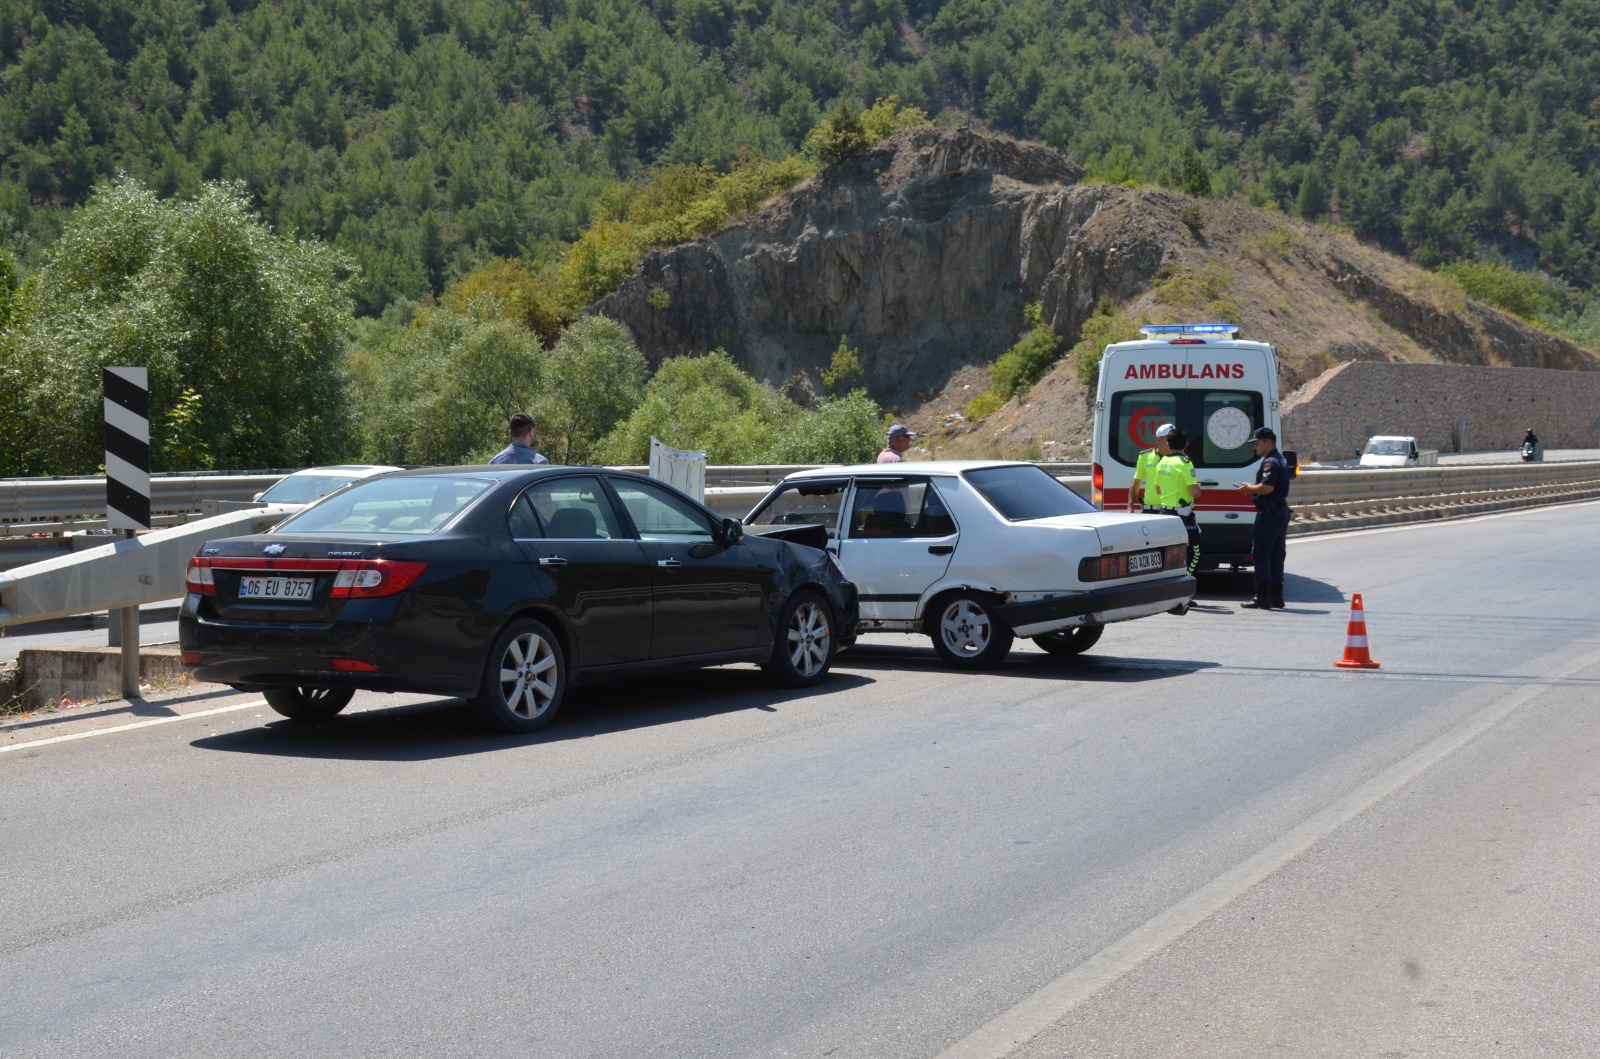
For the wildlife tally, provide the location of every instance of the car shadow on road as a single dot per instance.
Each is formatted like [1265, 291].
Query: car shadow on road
[1023, 663]
[443, 728]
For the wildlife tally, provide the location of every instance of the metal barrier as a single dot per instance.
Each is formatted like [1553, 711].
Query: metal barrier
[30, 506]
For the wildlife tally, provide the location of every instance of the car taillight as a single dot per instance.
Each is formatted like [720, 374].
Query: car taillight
[1111, 567]
[1099, 500]
[198, 577]
[366, 578]
[352, 665]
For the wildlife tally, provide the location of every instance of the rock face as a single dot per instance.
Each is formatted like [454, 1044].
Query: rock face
[923, 253]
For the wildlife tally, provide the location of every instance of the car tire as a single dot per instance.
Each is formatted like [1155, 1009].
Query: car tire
[1073, 641]
[308, 704]
[805, 643]
[968, 634]
[524, 679]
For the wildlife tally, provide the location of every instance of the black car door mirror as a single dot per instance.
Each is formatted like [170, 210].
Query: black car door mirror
[732, 531]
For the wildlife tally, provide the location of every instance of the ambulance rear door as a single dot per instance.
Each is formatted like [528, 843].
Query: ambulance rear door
[1230, 390]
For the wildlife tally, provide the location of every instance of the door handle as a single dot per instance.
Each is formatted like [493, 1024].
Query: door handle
[941, 549]
[1211, 484]
[668, 564]
[552, 560]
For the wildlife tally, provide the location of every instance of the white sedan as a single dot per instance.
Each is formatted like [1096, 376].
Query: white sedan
[976, 553]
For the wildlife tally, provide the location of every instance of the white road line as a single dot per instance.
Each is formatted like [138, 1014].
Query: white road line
[130, 727]
[1037, 1013]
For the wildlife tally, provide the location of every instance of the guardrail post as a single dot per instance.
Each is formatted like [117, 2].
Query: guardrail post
[130, 645]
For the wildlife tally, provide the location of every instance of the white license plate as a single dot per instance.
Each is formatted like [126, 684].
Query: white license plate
[276, 587]
[1139, 562]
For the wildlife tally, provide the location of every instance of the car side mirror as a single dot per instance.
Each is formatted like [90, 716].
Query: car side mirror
[732, 531]
[1292, 458]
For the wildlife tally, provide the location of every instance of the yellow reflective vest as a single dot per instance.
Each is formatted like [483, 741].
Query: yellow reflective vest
[1144, 471]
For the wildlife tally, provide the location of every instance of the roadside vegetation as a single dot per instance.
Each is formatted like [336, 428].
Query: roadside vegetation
[319, 222]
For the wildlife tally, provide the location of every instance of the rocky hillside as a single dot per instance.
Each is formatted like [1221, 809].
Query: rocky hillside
[923, 253]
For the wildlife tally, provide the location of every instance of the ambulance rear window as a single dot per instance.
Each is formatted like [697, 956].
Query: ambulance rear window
[1219, 423]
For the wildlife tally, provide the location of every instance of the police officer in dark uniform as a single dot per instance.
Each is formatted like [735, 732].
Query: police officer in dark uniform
[1269, 539]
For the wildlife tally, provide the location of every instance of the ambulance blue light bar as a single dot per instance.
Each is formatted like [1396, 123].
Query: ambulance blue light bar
[1190, 329]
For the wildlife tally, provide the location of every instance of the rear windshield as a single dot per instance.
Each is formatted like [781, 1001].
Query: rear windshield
[304, 488]
[399, 507]
[1220, 423]
[1024, 493]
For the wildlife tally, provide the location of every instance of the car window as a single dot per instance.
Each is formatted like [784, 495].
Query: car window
[304, 488]
[660, 515]
[1230, 418]
[1023, 492]
[1220, 423]
[806, 503]
[1134, 416]
[381, 507]
[934, 519]
[899, 507]
[524, 521]
[568, 509]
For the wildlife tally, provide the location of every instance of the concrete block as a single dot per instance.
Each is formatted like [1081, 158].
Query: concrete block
[88, 674]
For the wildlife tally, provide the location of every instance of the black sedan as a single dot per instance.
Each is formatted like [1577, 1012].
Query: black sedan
[503, 586]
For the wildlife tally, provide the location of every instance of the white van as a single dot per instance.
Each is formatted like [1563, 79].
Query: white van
[1219, 389]
[1397, 450]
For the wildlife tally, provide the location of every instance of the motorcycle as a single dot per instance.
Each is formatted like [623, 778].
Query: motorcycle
[1528, 452]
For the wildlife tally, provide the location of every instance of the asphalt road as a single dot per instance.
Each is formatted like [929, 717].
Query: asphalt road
[1201, 840]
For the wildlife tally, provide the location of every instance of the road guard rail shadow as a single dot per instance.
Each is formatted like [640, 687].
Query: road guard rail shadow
[444, 728]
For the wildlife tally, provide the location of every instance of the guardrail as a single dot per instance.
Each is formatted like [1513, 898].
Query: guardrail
[30, 507]
[1330, 500]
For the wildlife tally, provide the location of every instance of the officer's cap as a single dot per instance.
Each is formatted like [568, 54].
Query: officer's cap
[1163, 430]
[1264, 434]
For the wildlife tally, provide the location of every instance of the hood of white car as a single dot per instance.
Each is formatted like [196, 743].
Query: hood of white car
[1121, 532]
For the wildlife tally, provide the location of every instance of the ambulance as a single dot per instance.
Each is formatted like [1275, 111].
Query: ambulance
[1219, 389]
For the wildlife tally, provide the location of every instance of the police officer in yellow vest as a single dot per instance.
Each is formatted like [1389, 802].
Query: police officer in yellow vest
[1144, 472]
[1178, 489]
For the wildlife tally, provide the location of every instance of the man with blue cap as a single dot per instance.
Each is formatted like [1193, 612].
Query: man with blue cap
[1269, 539]
[899, 442]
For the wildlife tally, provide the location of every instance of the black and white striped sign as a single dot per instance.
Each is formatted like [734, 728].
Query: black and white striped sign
[127, 448]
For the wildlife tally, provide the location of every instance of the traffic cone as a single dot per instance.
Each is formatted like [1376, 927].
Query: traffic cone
[1355, 640]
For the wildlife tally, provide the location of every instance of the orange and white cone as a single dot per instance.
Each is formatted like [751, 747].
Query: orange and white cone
[1355, 640]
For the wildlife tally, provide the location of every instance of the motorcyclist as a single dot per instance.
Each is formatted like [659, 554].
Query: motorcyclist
[1530, 438]
[1530, 445]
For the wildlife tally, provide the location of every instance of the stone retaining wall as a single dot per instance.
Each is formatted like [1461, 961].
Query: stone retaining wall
[1447, 407]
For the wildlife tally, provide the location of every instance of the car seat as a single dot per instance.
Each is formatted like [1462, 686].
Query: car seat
[572, 524]
[887, 516]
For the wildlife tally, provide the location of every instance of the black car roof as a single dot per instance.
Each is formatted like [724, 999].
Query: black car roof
[502, 471]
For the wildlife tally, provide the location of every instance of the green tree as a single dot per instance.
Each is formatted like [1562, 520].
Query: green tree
[847, 429]
[839, 136]
[439, 388]
[844, 367]
[596, 379]
[209, 299]
[703, 403]
[1191, 174]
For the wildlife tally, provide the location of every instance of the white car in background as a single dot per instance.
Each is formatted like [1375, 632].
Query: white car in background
[312, 484]
[974, 554]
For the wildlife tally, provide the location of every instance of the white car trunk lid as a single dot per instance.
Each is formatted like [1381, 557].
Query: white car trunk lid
[1122, 532]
